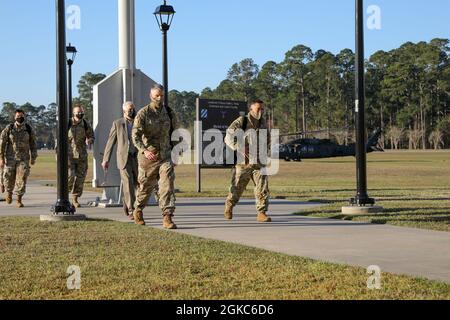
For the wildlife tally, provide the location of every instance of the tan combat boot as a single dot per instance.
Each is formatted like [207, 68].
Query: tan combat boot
[168, 223]
[228, 212]
[139, 217]
[9, 198]
[75, 202]
[262, 217]
[19, 202]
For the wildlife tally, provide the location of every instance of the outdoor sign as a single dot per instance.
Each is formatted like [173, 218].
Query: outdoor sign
[219, 115]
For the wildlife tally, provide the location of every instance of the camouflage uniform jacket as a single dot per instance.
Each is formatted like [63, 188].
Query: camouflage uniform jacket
[151, 131]
[78, 134]
[18, 143]
[252, 123]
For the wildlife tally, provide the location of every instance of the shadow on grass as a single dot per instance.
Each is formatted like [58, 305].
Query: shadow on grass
[413, 199]
[369, 161]
[396, 214]
[399, 161]
[393, 211]
[324, 201]
[374, 190]
[98, 220]
[318, 213]
[412, 220]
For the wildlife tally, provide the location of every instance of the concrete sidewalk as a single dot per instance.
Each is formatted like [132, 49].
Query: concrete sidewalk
[397, 250]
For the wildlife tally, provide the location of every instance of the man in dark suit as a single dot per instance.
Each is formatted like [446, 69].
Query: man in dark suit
[120, 134]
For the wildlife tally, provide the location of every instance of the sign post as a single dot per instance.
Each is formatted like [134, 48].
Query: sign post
[218, 115]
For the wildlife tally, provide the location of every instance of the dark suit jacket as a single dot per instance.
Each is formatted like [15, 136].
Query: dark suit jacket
[119, 135]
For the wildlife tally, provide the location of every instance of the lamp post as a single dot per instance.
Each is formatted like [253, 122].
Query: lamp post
[164, 17]
[63, 210]
[361, 203]
[70, 50]
[63, 205]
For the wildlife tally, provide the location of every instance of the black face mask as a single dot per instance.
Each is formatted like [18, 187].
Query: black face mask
[131, 114]
[80, 116]
[20, 120]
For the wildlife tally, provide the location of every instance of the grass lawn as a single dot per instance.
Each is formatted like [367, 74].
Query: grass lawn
[413, 187]
[122, 261]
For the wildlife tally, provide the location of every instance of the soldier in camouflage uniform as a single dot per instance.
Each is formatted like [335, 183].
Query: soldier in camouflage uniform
[80, 136]
[17, 151]
[151, 136]
[2, 185]
[244, 172]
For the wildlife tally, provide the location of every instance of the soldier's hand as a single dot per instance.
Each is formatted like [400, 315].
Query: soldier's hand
[150, 155]
[2, 163]
[105, 165]
[33, 162]
[90, 141]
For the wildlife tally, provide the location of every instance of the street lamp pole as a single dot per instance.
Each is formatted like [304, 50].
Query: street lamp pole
[362, 198]
[165, 29]
[63, 205]
[70, 62]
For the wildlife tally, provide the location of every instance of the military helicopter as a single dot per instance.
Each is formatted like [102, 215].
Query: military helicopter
[298, 149]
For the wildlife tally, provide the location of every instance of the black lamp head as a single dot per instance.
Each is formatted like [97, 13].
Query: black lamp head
[71, 50]
[164, 16]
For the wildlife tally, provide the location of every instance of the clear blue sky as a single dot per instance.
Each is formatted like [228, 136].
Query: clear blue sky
[206, 38]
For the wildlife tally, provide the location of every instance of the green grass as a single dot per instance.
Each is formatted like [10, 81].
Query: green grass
[122, 261]
[426, 213]
[413, 187]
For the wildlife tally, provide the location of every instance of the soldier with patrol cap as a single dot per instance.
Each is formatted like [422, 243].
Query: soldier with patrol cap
[151, 134]
[80, 136]
[17, 151]
[120, 134]
[244, 172]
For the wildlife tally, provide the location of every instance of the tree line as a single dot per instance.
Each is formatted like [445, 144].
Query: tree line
[407, 95]
[407, 92]
[41, 118]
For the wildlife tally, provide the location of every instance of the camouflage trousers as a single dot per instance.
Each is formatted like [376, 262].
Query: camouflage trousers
[16, 174]
[241, 176]
[77, 175]
[157, 177]
[2, 183]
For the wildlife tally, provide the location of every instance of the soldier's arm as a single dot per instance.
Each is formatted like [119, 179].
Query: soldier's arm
[112, 140]
[3, 142]
[90, 133]
[137, 134]
[33, 146]
[229, 138]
